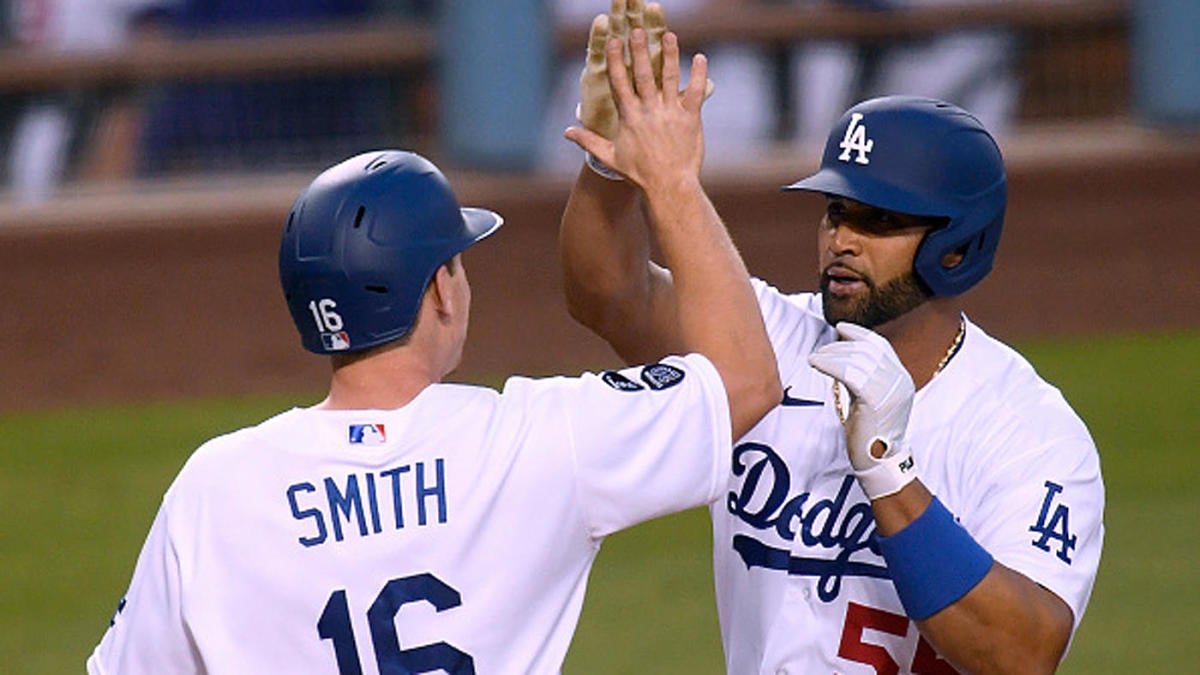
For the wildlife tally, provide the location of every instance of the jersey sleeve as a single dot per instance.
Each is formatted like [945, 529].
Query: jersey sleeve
[147, 633]
[646, 440]
[1042, 511]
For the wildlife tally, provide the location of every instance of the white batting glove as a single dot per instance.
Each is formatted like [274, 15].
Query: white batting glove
[881, 393]
[597, 110]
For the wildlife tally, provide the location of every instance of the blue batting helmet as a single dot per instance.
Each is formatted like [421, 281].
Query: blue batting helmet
[922, 157]
[361, 244]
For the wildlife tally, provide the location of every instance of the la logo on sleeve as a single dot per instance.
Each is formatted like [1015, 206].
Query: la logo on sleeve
[1054, 526]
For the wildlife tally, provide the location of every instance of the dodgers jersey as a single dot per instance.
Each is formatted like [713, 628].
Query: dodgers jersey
[802, 588]
[455, 533]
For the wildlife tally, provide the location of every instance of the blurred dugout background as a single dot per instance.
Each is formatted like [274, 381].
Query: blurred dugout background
[104, 92]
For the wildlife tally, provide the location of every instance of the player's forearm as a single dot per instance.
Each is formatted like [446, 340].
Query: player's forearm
[718, 314]
[608, 278]
[1004, 624]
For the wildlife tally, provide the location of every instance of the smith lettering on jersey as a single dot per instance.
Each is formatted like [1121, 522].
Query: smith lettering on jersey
[370, 503]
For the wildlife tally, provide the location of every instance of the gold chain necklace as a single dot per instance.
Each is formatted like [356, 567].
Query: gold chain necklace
[953, 349]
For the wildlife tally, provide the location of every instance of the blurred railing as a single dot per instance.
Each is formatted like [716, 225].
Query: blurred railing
[1075, 55]
[409, 45]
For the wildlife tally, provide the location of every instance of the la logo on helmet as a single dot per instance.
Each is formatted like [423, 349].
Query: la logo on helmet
[856, 140]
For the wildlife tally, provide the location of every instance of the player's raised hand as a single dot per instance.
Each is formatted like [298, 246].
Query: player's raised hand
[597, 110]
[881, 393]
[659, 136]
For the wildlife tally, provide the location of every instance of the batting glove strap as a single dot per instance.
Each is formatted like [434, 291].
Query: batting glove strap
[933, 562]
[888, 475]
[599, 167]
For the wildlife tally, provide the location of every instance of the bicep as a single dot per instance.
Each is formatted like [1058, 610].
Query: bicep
[648, 329]
[612, 286]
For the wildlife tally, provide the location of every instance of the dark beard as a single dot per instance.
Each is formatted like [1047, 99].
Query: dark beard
[882, 304]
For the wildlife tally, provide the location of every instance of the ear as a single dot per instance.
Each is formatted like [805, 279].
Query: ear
[952, 259]
[438, 294]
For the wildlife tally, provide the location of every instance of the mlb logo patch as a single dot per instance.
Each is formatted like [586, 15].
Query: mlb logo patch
[336, 342]
[367, 434]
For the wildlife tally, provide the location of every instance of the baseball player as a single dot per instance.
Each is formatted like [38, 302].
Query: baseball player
[405, 525]
[865, 529]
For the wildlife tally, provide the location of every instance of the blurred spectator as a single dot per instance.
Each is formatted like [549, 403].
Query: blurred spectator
[5, 19]
[739, 116]
[975, 69]
[8, 107]
[408, 9]
[814, 81]
[75, 131]
[269, 123]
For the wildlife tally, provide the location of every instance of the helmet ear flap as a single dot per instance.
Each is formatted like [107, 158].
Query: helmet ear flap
[975, 238]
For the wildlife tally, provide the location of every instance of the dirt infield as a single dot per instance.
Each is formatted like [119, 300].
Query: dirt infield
[145, 297]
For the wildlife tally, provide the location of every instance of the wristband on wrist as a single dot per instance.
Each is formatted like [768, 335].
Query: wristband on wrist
[888, 475]
[933, 562]
[598, 166]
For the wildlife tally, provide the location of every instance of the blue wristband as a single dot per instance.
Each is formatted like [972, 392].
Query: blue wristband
[933, 561]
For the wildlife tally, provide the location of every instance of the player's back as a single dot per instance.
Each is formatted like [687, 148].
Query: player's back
[455, 533]
[379, 524]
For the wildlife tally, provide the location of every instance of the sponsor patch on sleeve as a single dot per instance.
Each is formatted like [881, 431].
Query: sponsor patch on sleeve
[661, 376]
[619, 382]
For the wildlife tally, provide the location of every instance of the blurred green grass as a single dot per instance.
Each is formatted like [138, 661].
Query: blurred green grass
[80, 488]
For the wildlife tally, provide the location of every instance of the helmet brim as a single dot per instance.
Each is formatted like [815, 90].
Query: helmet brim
[481, 223]
[872, 192]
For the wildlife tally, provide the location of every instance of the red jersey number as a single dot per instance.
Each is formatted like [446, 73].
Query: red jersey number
[860, 617]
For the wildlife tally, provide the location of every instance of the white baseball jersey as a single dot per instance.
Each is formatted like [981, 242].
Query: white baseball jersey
[801, 587]
[454, 534]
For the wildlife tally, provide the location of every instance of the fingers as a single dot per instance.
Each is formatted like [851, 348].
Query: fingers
[635, 13]
[618, 78]
[831, 359]
[618, 23]
[600, 147]
[656, 27]
[880, 349]
[670, 64]
[656, 19]
[853, 331]
[598, 40]
[643, 74]
[695, 94]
